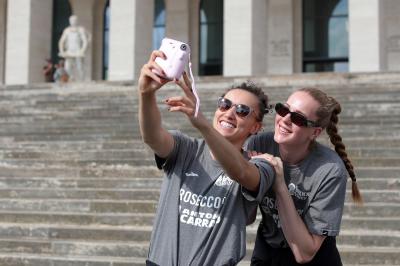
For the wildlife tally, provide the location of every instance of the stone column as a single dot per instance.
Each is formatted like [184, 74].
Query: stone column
[390, 35]
[84, 10]
[364, 35]
[3, 36]
[297, 37]
[280, 37]
[97, 39]
[131, 29]
[194, 28]
[177, 20]
[245, 38]
[28, 40]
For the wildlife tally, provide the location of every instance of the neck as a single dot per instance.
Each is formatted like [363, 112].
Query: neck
[293, 155]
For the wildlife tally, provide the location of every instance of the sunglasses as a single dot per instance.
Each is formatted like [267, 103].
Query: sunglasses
[296, 118]
[241, 110]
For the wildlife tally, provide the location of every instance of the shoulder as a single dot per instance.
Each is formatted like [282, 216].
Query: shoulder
[81, 30]
[182, 140]
[260, 140]
[327, 160]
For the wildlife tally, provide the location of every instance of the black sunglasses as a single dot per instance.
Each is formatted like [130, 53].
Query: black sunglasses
[296, 118]
[241, 110]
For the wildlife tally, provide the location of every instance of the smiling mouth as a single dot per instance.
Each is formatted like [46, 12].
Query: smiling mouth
[283, 130]
[225, 124]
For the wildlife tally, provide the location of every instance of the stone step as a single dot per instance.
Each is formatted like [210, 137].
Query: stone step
[69, 158]
[76, 155]
[369, 255]
[34, 183]
[146, 219]
[78, 205]
[127, 171]
[87, 194]
[88, 170]
[16, 117]
[387, 93]
[78, 218]
[142, 151]
[354, 237]
[356, 255]
[112, 102]
[75, 247]
[370, 209]
[148, 161]
[351, 255]
[374, 209]
[7, 144]
[24, 259]
[63, 232]
[354, 92]
[82, 183]
[117, 249]
[368, 238]
[83, 162]
[115, 135]
[11, 193]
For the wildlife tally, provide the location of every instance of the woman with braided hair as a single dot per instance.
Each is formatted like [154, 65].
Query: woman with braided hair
[301, 214]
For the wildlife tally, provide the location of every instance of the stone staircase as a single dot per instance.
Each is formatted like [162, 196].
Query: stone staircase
[79, 188]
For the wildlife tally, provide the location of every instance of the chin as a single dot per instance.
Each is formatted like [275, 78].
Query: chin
[280, 139]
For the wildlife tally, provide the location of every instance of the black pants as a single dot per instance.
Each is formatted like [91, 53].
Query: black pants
[265, 255]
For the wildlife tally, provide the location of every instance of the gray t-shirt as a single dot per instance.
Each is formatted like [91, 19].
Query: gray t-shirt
[317, 186]
[202, 213]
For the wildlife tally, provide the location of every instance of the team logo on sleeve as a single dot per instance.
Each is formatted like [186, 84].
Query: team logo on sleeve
[223, 180]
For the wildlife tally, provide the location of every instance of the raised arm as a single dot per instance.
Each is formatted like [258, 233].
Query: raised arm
[153, 134]
[231, 159]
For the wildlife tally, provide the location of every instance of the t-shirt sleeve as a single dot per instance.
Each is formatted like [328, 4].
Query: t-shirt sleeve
[182, 145]
[267, 178]
[262, 142]
[325, 211]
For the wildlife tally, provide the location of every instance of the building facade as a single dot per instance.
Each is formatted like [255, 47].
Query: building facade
[227, 37]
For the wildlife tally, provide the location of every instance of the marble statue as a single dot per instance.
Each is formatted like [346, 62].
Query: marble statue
[72, 47]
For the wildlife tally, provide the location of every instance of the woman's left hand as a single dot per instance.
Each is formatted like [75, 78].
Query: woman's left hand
[276, 162]
[187, 103]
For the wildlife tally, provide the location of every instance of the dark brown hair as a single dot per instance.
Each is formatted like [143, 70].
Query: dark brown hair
[251, 87]
[328, 119]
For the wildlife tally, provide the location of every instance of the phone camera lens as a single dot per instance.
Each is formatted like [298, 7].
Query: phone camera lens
[183, 47]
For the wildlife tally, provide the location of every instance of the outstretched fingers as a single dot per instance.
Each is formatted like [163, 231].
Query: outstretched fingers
[181, 101]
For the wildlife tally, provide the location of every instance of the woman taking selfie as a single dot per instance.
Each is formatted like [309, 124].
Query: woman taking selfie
[203, 210]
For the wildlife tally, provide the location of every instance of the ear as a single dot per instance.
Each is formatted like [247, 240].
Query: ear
[316, 132]
[255, 128]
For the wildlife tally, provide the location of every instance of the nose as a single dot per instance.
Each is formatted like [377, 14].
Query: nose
[231, 112]
[286, 119]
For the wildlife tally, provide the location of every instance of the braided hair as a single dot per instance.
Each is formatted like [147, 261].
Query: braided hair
[328, 119]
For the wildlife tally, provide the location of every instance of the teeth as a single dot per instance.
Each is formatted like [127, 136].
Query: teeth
[226, 124]
[282, 130]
